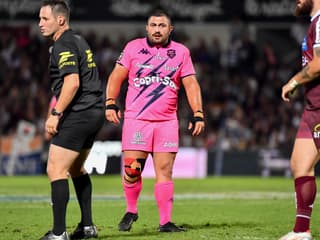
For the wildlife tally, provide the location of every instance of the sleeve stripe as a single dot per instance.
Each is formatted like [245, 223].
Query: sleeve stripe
[191, 74]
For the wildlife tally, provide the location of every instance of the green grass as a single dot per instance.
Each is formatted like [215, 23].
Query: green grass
[217, 208]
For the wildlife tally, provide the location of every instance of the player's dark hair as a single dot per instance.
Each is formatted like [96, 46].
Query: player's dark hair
[58, 7]
[160, 13]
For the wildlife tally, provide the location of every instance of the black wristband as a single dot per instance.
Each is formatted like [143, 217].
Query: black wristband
[112, 107]
[55, 113]
[196, 119]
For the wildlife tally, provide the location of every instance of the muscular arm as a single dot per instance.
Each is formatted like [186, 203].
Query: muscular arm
[307, 74]
[115, 80]
[311, 70]
[194, 97]
[193, 92]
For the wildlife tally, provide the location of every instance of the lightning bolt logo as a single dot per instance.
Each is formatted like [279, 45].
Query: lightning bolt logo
[155, 94]
[153, 72]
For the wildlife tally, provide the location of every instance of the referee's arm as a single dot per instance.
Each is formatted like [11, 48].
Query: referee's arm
[71, 83]
[69, 89]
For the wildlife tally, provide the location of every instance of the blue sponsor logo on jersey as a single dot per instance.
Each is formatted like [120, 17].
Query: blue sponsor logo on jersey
[304, 45]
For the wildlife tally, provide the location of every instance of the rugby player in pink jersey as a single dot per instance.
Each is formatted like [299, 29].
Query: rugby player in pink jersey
[305, 152]
[155, 67]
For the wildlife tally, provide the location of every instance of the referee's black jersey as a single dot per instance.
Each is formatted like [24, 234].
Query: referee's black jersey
[72, 54]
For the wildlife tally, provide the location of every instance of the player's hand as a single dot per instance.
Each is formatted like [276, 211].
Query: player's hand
[47, 136]
[288, 90]
[51, 125]
[196, 125]
[113, 113]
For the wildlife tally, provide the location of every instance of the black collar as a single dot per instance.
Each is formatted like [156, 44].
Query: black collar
[163, 46]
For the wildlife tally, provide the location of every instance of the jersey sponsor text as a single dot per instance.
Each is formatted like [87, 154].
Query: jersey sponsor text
[145, 81]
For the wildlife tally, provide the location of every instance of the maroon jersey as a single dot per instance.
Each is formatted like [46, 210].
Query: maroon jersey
[311, 41]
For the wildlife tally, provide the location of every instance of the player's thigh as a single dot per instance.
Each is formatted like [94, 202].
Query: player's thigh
[305, 152]
[304, 157]
[59, 161]
[77, 167]
[163, 160]
[163, 165]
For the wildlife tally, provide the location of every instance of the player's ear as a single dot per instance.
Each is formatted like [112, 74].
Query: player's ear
[61, 20]
[171, 28]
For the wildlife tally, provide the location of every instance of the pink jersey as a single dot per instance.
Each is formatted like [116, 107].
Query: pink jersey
[311, 41]
[154, 78]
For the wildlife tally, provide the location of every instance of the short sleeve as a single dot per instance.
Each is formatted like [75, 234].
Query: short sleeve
[67, 58]
[124, 58]
[187, 65]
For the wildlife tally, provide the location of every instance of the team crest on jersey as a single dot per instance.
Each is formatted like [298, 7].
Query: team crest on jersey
[171, 53]
[304, 45]
[316, 131]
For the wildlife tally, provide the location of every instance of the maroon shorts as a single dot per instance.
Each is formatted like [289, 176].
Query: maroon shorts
[310, 126]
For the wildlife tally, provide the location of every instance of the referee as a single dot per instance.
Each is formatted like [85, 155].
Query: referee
[74, 121]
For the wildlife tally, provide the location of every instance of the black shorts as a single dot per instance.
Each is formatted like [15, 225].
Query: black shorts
[77, 130]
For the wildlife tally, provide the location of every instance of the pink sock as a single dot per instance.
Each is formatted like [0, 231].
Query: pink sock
[164, 197]
[306, 190]
[132, 192]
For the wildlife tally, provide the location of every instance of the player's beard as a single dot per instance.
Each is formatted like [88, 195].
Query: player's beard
[305, 8]
[161, 41]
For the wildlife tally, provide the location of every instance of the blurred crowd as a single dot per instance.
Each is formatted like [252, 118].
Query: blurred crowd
[241, 87]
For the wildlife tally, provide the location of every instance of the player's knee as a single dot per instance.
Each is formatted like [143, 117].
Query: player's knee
[133, 168]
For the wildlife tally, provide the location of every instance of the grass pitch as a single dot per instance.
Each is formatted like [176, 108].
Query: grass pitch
[215, 208]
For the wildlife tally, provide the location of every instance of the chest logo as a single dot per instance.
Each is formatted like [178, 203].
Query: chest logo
[65, 59]
[144, 51]
[171, 53]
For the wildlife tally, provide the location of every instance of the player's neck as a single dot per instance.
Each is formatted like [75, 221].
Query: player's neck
[60, 31]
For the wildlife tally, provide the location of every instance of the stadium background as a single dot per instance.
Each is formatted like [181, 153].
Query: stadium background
[243, 52]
